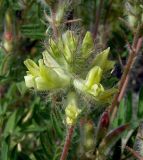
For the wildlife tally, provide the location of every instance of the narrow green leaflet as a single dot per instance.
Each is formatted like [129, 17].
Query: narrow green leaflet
[140, 105]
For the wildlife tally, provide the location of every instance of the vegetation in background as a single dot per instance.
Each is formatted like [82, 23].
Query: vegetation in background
[64, 72]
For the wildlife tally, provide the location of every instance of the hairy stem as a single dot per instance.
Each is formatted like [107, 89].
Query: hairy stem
[54, 28]
[67, 143]
[137, 42]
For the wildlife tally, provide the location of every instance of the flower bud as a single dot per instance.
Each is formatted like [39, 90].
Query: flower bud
[69, 41]
[134, 11]
[8, 31]
[72, 111]
[59, 17]
[87, 45]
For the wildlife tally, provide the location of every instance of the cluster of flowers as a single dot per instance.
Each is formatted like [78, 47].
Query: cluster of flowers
[57, 70]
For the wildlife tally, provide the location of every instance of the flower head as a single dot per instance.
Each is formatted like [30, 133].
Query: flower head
[65, 58]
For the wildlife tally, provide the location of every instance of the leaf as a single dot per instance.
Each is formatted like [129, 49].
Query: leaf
[121, 114]
[56, 125]
[5, 148]
[35, 31]
[39, 155]
[34, 128]
[111, 138]
[102, 127]
[48, 143]
[120, 118]
[21, 88]
[23, 156]
[11, 124]
[140, 105]
[128, 108]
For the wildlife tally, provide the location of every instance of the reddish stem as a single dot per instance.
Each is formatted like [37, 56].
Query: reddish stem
[134, 153]
[53, 25]
[137, 43]
[67, 143]
[98, 13]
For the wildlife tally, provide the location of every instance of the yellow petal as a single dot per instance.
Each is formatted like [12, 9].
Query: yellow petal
[96, 90]
[48, 74]
[53, 65]
[94, 76]
[79, 84]
[32, 67]
[43, 85]
[29, 81]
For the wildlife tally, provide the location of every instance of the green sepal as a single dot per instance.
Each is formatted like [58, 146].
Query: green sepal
[102, 61]
[87, 45]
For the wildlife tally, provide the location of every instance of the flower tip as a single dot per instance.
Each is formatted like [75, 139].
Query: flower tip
[29, 81]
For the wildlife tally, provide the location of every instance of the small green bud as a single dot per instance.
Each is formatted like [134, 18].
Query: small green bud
[69, 41]
[8, 39]
[72, 111]
[87, 45]
[134, 10]
[53, 49]
[132, 21]
[59, 17]
[8, 45]
[102, 61]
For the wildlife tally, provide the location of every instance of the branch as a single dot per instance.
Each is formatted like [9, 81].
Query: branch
[98, 13]
[137, 43]
[54, 28]
[134, 153]
[67, 143]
